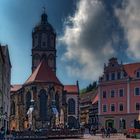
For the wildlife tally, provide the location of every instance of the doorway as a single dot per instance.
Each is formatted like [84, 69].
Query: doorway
[109, 123]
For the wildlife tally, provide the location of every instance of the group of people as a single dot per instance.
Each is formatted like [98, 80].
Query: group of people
[106, 131]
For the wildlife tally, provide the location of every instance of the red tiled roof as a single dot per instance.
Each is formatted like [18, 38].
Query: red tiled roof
[95, 99]
[131, 68]
[15, 88]
[43, 73]
[71, 88]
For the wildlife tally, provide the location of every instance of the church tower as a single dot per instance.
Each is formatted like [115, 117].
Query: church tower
[44, 44]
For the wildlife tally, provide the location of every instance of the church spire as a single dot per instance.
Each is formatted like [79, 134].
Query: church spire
[44, 16]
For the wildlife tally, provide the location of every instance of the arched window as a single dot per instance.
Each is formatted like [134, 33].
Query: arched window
[28, 100]
[43, 104]
[71, 106]
[13, 111]
[51, 61]
[36, 59]
[57, 101]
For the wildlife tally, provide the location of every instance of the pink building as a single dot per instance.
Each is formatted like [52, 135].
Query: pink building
[119, 95]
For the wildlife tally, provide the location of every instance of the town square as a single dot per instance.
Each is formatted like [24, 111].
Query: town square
[70, 69]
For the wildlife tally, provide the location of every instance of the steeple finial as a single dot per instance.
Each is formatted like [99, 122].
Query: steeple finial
[44, 9]
[44, 16]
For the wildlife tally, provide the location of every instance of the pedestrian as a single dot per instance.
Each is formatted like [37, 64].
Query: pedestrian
[94, 131]
[103, 131]
[108, 132]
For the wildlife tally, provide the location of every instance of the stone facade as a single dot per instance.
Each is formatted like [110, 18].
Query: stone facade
[5, 77]
[43, 101]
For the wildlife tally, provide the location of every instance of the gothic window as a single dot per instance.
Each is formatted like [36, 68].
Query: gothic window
[13, 112]
[51, 61]
[43, 104]
[28, 100]
[57, 101]
[71, 106]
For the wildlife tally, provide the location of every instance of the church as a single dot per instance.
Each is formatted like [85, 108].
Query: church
[42, 101]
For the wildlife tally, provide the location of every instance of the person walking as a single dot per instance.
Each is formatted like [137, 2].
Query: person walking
[103, 131]
[108, 132]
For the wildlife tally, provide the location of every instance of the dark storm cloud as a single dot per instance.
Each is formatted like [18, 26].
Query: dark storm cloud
[129, 15]
[91, 39]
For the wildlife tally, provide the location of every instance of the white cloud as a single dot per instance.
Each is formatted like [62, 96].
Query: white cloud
[86, 36]
[129, 16]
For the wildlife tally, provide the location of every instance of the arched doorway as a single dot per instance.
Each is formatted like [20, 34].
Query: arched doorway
[109, 123]
[72, 123]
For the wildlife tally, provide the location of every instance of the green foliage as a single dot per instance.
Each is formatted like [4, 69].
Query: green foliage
[89, 88]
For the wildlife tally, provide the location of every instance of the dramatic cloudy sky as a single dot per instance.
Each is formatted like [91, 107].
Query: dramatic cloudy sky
[89, 32]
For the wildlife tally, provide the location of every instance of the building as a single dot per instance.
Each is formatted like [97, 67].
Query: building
[93, 112]
[119, 95]
[85, 103]
[1, 82]
[43, 101]
[5, 80]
